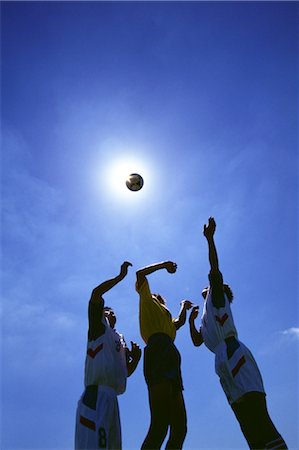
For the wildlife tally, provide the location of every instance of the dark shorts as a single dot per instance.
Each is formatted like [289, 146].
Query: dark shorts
[162, 361]
[90, 396]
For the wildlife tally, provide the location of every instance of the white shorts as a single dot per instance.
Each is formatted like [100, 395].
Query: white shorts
[97, 420]
[239, 374]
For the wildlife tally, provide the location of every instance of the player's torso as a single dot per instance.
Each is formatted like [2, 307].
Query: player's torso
[105, 362]
[217, 323]
[156, 318]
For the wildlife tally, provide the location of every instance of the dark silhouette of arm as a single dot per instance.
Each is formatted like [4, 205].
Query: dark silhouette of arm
[142, 273]
[181, 320]
[96, 303]
[215, 276]
[195, 334]
[133, 357]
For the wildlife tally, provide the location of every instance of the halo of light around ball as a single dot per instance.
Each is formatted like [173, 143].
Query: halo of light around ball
[134, 182]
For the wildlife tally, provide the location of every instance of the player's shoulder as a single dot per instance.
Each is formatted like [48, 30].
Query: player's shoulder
[97, 329]
[215, 277]
[142, 286]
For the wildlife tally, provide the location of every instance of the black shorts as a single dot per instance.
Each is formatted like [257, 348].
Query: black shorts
[162, 361]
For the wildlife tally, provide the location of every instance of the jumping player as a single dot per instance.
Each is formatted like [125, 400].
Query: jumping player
[108, 363]
[234, 364]
[162, 363]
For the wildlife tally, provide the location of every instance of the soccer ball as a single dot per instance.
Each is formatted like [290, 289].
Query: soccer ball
[134, 182]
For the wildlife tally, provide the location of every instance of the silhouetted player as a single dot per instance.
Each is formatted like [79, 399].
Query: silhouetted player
[234, 364]
[108, 363]
[162, 363]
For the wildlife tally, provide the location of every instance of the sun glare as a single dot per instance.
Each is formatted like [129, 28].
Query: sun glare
[118, 172]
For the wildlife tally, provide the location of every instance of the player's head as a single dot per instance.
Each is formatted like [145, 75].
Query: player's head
[226, 289]
[110, 316]
[159, 298]
[228, 292]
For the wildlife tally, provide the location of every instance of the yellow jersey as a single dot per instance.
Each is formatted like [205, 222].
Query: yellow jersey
[153, 316]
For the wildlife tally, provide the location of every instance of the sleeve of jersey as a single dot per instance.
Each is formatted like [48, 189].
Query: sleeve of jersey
[147, 311]
[146, 301]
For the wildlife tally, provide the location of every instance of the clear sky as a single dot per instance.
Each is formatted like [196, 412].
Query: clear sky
[202, 99]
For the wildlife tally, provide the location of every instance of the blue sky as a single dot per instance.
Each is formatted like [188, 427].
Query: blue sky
[202, 99]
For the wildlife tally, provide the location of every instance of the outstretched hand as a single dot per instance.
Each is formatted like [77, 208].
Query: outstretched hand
[124, 268]
[170, 266]
[135, 351]
[194, 313]
[209, 230]
[186, 304]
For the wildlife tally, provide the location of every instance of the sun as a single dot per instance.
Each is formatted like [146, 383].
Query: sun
[110, 171]
[119, 170]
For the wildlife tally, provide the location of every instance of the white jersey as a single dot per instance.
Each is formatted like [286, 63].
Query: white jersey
[105, 362]
[238, 373]
[217, 324]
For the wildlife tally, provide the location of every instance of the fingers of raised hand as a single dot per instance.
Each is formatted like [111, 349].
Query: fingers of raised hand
[126, 264]
[194, 312]
[171, 267]
[187, 304]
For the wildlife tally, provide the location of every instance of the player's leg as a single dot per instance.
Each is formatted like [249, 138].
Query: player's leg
[255, 422]
[160, 404]
[247, 423]
[178, 421]
[114, 436]
[268, 433]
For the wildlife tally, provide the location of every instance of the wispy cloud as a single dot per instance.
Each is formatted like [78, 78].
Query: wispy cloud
[280, 340]
[292, 332]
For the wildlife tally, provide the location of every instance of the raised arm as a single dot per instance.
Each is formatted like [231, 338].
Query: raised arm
[142, 273]
[96, 303]
[180, 321]
[215, 276]
[195, 334]
[208, 231]
[109, 284]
